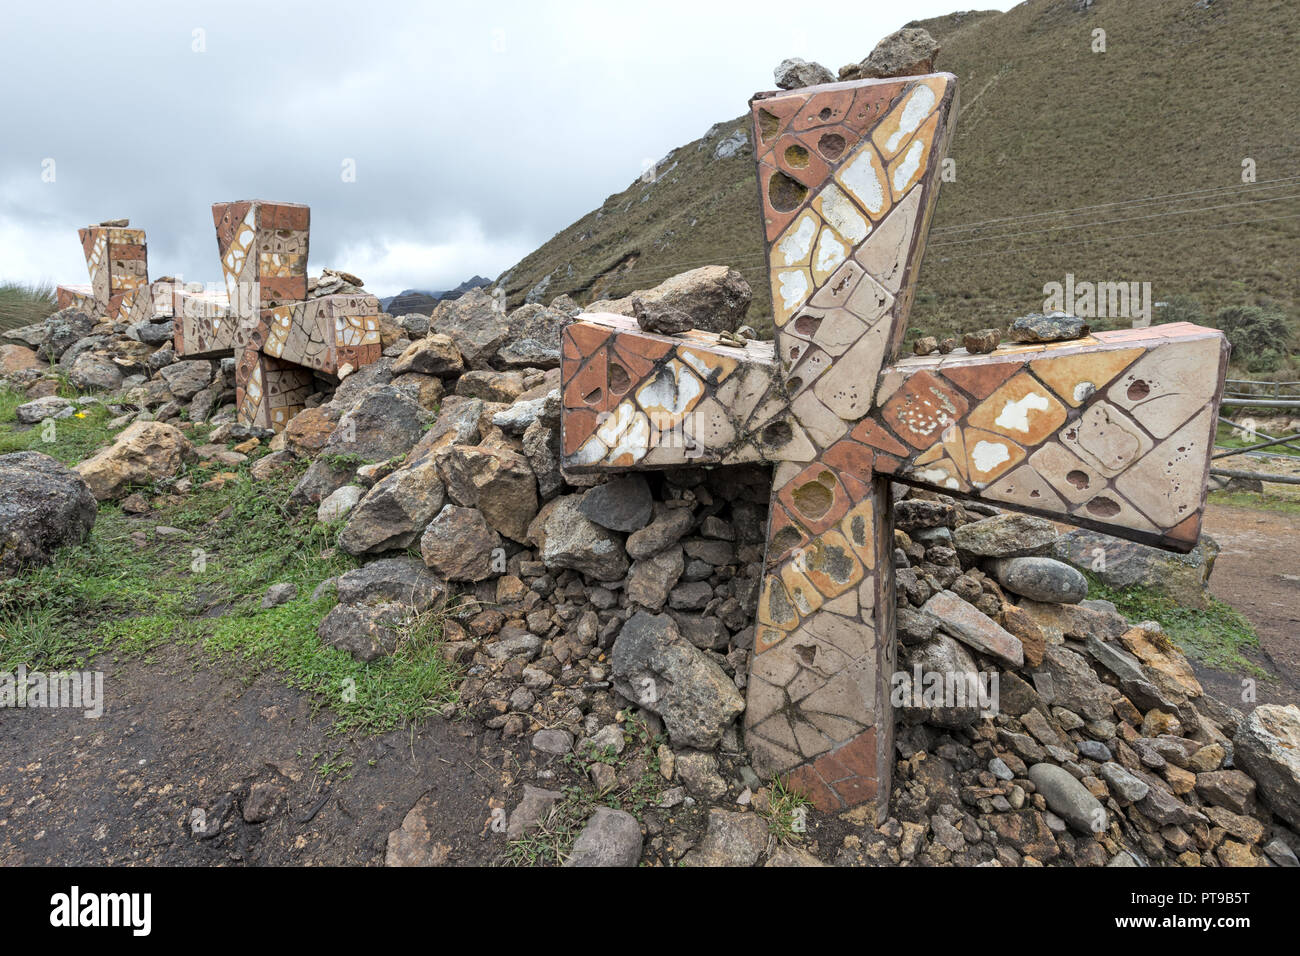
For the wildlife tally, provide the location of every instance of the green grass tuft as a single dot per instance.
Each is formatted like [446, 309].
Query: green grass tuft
[1217, 636]
[24, 304]
[128, 591]
[70, 440]
[1259, 502]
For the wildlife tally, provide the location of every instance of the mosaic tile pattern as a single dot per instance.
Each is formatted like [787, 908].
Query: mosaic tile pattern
[80, 296]
[263, 250]
[203, 326]
[633, 399]
[269, 391]
[1112, 432]
[329, 334]
[118, 262]
[278, 335]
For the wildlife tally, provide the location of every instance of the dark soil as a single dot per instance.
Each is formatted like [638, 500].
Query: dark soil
[179, 732]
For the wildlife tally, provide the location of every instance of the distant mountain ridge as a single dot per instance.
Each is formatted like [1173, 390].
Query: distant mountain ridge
[1118, 166]
[422, 300]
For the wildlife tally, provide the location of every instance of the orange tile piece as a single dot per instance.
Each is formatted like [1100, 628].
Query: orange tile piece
[980, 380]
[870, 433]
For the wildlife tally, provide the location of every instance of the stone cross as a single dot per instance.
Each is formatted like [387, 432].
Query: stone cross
[118, 263]
[1112, 431]
[280, 338]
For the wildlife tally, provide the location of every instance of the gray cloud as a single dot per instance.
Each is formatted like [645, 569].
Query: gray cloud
[477, 130]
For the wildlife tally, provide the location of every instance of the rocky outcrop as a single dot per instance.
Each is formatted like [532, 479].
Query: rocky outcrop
[656, 667]
[394, 513]
[906, 52]
[1267, 746]
[1183, 578]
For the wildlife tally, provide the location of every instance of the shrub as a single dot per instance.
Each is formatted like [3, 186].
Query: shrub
[1183, 308]
[1260, 337]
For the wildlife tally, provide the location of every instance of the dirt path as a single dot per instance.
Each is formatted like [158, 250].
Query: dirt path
[1258, 573]
[179, 733]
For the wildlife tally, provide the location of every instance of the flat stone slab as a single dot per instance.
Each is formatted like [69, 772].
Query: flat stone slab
[970, 626]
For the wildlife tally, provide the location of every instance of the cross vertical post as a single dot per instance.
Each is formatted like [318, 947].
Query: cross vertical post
[117, 259]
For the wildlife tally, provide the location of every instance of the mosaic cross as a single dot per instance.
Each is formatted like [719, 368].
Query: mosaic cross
[1111, 432]
[280, 338]
[118, 262]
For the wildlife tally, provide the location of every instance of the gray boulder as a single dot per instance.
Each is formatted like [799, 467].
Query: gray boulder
[1040, 327]
[1067, 680]
[940, 654]
[37, 410]
[1267, 746]
[1183, 578]
[44, 506]
[621, 504]
[731, 839]
[459, 545]
[906, 52]
[795, 74]
[1006, 536]
[403, 580]
[367, 632]
[566, 538]
[475, 324]
[1068, 798]
[715, 297]
[384, 424]
[433, 355]
[655, 666]
[610, 838]
[1042, 579]
[534, 340]
[187, 377]
[62, 329]
[395, 512]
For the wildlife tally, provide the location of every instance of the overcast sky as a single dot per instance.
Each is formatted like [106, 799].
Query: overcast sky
[476, 130]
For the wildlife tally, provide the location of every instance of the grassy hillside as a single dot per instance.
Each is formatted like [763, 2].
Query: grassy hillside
[1117, 166]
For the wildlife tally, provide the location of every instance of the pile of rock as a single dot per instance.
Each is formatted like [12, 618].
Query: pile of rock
[580, 604]
[577, 607]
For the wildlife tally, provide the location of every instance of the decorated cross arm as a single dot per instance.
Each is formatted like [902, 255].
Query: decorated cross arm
[1112, 431]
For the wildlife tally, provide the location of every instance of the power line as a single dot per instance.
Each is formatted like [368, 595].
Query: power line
[1125, 236]
[1167, 197]
[1108, 222]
